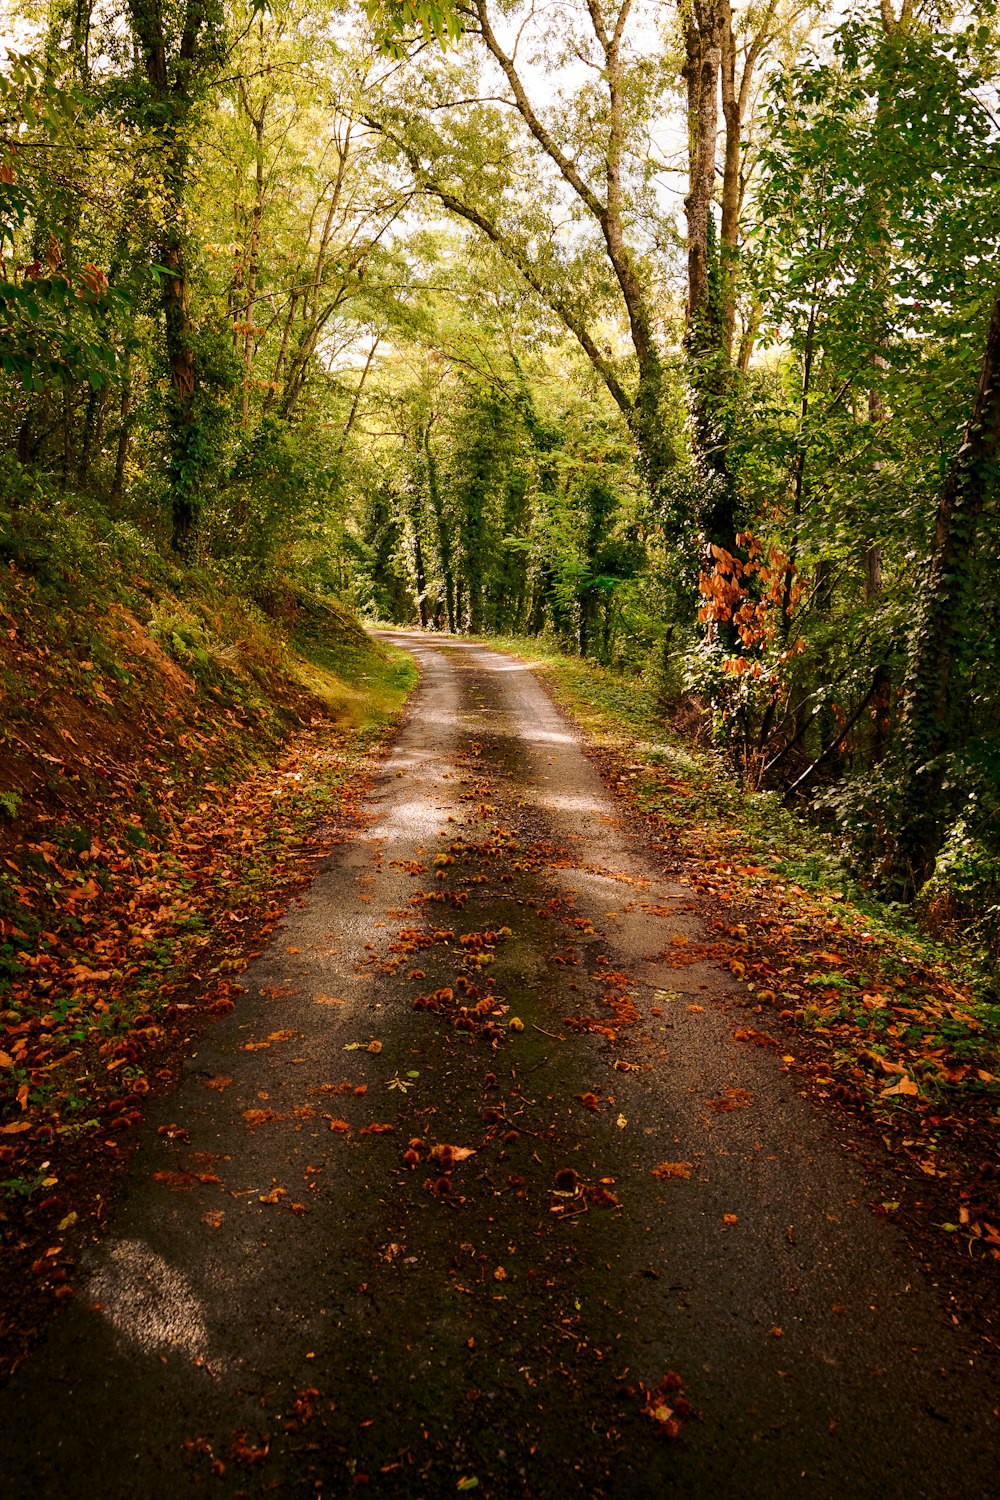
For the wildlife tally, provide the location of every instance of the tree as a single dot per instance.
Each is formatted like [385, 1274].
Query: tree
[455, 136]
[180, 46]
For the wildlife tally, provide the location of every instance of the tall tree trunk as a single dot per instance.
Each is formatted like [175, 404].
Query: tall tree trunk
[172, 82]
[703, 48]
[938, 698]
[121, 449]
[442, 527]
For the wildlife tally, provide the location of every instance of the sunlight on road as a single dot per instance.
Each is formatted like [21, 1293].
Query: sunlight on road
[148, 1302]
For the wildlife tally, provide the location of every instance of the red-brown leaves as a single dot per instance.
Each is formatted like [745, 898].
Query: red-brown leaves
[261, 1116]
[731, 1099]
[180, 1182]
[243, 1451]
[665, 1170]
[666, 1406]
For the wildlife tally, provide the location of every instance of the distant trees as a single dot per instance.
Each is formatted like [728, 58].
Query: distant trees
[658, 331]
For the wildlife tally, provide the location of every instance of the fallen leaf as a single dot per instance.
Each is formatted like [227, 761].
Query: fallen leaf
[904, 1086]
[731, 1099]
[667, 1169]
[219, 1082]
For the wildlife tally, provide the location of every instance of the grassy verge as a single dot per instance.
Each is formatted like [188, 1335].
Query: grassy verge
[172, 764]
[887, 1024]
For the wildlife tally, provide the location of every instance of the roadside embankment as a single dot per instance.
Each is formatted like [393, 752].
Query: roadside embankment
[173, 763]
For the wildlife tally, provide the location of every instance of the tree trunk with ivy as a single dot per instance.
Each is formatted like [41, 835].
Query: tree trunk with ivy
[938, 699]
[172, 84]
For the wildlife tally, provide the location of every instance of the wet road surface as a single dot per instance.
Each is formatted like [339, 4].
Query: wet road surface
[399, 1229]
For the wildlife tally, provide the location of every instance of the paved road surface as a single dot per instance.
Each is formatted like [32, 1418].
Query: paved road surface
[289, 1303]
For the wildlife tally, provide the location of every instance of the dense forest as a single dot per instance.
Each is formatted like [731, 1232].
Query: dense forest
[671, 331]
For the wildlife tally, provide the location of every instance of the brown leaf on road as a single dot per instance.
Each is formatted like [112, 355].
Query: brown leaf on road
[262, 1116]
[180, 1182]
[219, 1082]
[376, 1129]
[667, 1169]
[447, 1155]
[667, 1407]
[245, 1452]
[731, 1099]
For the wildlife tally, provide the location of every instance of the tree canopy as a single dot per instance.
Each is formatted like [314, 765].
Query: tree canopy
[668, 331]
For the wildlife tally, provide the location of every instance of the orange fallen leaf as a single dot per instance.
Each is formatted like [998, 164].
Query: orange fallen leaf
[219, 1082]
[904, 1086]
[731, 1099]
[177, 1181]
[667, 1169]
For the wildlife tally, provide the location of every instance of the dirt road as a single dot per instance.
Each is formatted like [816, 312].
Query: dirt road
[476, 1191]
